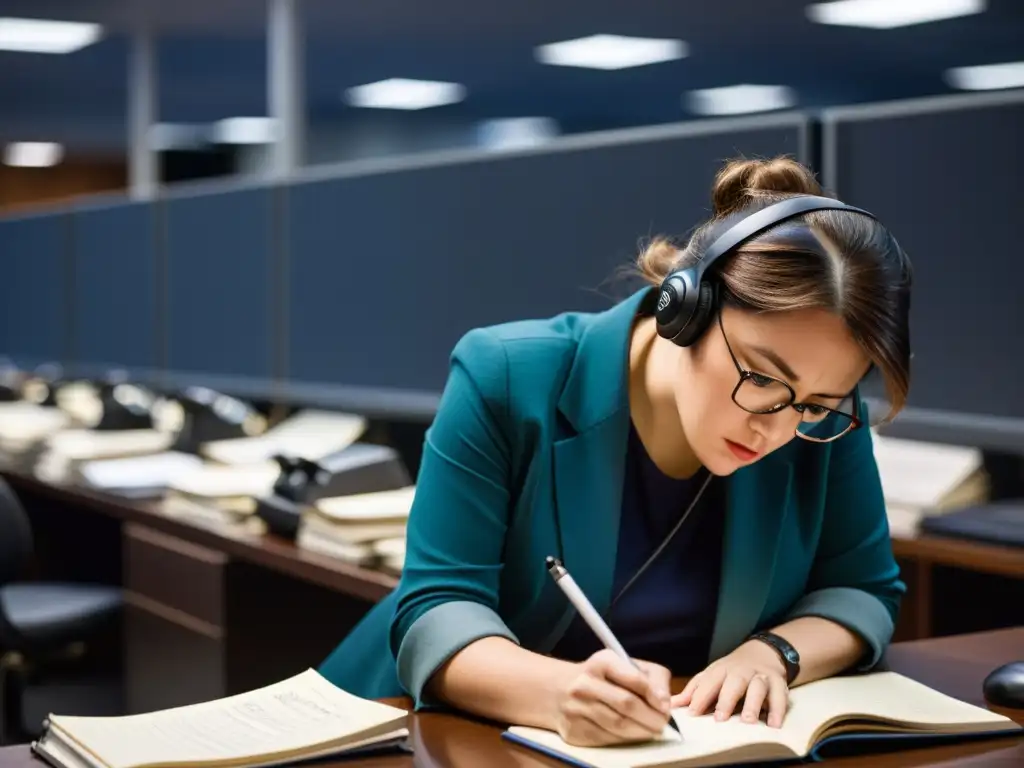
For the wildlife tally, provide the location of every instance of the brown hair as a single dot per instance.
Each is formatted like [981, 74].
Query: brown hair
[839, 260]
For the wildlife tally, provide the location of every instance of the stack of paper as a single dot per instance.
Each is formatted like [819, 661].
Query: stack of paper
[222, 496]
[135, 473]
[351, 528]
[23, 424]
[920, 479]
[65, 450]
[392, 555]
[308, 435]
[295, 720]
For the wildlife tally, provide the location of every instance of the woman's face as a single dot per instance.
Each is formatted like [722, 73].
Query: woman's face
[811, 350]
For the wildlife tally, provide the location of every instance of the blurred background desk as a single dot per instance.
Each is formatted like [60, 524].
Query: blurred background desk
[210, 614]
[207, 614]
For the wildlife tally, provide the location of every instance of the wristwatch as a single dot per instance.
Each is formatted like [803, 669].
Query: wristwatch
[788, 654]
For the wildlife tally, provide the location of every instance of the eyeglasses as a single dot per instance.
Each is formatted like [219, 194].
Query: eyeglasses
[758, 393]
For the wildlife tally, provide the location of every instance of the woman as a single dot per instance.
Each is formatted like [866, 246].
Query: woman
[712, 490]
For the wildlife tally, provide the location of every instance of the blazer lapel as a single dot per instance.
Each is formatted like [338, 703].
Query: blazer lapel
[757, 502]
[589, 470]
[589, 457]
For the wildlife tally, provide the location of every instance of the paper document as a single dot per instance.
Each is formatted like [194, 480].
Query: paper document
[153, 471]
[366, 507]
[81, 444]
[26, 422]
[920, 475]
[293, 716]
[213, 481]
[309, 435]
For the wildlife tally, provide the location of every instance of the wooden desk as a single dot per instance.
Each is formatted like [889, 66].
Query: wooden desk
[953, 665]
[198, 598]
[945, 577]
[208, 613]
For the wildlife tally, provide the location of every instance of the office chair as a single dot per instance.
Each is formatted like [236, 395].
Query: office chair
[44, 626]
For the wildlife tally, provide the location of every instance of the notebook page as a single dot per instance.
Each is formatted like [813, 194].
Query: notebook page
[887, 696]
[309, 434]
[304, 713]
[364, 507]
[705, 742]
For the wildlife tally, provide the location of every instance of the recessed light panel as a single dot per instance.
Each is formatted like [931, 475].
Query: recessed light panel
[403, 93]
[46, 36]
[888, 14]
[987, 77]
[740, 99]
[611, 52]
[33, 154]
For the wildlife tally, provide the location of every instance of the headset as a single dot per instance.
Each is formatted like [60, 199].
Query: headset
[688, 301]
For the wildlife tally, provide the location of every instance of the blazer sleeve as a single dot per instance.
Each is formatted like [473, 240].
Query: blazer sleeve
[854, 580]
[448, 594]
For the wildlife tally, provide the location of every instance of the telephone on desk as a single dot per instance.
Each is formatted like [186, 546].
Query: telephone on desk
[359, 468]
[208, 415]
[124, 406]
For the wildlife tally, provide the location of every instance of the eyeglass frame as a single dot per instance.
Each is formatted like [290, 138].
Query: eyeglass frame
[747, 375]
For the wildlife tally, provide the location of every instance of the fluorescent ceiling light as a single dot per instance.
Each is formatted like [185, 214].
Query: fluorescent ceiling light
[403, 93]
[888, 14]
[740, 99]
[33, 154]
[517, 132]
[45, 36]
[987, 77]
[245, 130]
[610, 52]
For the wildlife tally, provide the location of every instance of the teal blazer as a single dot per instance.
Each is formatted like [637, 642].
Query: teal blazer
[525, 458]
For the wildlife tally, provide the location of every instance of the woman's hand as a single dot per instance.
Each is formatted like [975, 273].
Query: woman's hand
[608, 701]
[752, 673]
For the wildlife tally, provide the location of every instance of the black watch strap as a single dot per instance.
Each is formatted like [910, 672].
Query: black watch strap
[788, 654]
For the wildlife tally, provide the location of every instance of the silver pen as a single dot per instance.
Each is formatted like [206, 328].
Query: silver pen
[590, 615]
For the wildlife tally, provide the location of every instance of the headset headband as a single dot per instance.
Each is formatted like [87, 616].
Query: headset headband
[687, 302]
[768, 217]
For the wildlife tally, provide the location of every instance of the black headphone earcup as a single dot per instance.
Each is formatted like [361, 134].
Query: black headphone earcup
[703, 313]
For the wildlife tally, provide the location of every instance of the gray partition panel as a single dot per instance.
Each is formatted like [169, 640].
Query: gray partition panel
[115, 303]
[34, 289]
[388, 267]
[945, 175]
[218, 251]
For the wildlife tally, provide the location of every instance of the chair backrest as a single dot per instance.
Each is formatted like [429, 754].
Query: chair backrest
[15, 535]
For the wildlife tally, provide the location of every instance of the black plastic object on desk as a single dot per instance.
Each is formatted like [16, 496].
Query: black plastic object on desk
[208, 415]
[360, 468]
[125, 405]
[1000, 522]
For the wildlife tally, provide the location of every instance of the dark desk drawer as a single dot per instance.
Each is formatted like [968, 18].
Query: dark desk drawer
[173, 577]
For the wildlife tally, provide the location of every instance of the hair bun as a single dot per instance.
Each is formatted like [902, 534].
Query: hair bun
[739, 182]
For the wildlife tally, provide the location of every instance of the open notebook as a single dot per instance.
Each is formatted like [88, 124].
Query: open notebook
[296, 719]
[821, 712]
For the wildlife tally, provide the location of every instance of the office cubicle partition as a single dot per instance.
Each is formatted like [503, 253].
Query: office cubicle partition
[115, 306]
[390, 263]
[349, 286]
[34, 289]
[220, 283]
[945, 175]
